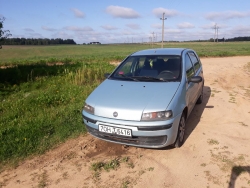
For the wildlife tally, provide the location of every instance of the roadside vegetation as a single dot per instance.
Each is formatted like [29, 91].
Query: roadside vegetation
[43, 88]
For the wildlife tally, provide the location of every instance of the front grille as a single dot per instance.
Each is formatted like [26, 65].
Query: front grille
[135, 140]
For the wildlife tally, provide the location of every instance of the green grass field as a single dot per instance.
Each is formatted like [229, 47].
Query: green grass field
[94, 53]
[41, 101]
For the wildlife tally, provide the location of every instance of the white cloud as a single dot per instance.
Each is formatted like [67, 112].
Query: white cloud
[48, 28]
[185, 25]
[74, 28]
[122, 12]
[109, 27]
[133, 26]
[226, 15]
[212, 26]
[168, 13]
[78, 13]
[62, 35]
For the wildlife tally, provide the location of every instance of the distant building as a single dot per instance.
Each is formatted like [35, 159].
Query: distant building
[94, 43]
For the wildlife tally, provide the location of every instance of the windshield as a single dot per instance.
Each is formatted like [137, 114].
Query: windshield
[149, 68]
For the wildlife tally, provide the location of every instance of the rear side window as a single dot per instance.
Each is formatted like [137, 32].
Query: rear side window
[195, 61]
[189, 67]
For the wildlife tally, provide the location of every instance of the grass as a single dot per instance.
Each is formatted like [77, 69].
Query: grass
[93, 53]
[37, 114]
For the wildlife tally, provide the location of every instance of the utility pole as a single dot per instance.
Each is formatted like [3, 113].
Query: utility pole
[162, 28]
[215, 26]
[217, 32]
[153, 37]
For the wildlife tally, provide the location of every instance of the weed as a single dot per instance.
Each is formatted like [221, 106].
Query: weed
[141, 172]
[125, 184]
[131, 165]
[113, 164]
[65, 175]
[212, 142]
[43, 180]
[150, 168]
[203, 164]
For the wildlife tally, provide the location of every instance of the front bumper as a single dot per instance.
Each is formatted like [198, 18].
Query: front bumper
[154, 134]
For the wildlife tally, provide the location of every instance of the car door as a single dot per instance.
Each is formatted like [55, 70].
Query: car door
[198, 72]
[191, 88]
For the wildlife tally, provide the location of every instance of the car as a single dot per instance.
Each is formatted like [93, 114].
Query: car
[146, 100]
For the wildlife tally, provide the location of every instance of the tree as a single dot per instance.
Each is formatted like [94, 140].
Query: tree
[3, 33]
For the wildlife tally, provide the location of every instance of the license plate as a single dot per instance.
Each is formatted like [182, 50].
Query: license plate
[115, 130]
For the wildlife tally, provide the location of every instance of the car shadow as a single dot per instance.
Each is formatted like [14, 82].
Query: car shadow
[196, 114]
[235, 173]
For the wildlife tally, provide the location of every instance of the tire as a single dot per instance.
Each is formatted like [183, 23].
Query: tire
[181, 132]
[200, 99]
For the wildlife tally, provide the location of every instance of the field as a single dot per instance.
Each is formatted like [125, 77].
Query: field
[42, 90]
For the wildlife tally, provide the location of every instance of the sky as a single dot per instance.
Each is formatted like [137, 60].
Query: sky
[126, 21]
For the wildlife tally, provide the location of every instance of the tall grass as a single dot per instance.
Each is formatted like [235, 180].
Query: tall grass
[41, 112]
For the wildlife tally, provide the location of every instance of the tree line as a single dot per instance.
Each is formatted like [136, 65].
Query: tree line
[32, 41]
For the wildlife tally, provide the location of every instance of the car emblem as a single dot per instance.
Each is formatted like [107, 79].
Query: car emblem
[115, 114]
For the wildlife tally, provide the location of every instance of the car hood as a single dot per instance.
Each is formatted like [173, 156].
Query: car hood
[130, 99]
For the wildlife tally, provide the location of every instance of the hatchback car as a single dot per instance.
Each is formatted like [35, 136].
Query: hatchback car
[147, 99]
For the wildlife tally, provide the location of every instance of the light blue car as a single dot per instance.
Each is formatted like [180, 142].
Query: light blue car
[147, 99]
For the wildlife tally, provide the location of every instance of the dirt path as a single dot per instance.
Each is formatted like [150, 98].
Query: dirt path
[216, 152]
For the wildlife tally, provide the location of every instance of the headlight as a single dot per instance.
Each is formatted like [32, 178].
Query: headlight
[88, 108]
[157, 116]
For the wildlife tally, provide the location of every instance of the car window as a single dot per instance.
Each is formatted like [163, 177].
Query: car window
[189, 67]
[195, 61]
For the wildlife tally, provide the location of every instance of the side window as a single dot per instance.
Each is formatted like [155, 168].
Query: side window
[189, 67]
[195, 61]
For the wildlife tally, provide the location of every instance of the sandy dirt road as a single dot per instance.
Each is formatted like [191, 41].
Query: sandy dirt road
[216, 152]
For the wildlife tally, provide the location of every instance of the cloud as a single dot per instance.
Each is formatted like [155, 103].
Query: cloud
[74, 28]
[48, 28]
[62, 35]
[78, 13]
[185, 25]
[226, 15]
[133, 26]
[109, 27]
[168, 13]
[122, 12]
[212, 26]
[28, 30]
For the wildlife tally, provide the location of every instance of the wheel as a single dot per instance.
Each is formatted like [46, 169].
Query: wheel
[200, 99]
[181, 132]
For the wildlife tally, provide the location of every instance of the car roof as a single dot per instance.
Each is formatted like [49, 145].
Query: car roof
[160, 51]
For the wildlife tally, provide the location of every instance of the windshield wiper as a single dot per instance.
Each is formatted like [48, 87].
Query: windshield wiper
[131, 78]
[149, 78]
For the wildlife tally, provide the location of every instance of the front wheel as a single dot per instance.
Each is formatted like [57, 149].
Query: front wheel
[181, 132]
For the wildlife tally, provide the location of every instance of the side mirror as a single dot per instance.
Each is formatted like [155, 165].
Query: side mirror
[196, 79]
[106, 75]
